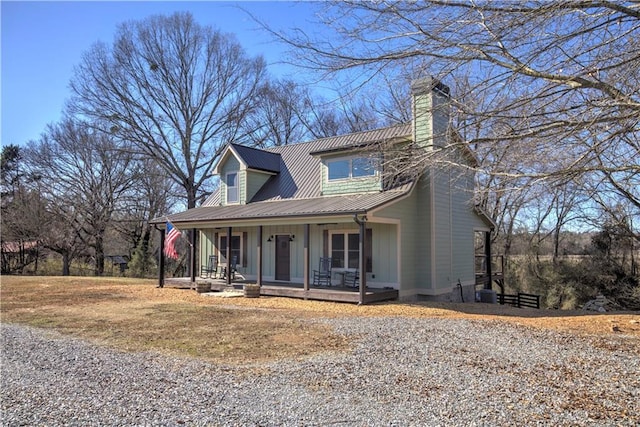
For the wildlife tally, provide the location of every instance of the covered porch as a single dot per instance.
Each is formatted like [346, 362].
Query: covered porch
[281, 257]
[294, 290]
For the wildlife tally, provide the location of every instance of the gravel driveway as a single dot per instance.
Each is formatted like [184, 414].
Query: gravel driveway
[401, 372]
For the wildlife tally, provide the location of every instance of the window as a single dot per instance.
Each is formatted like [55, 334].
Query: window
[345, 250]
[236, 248]
[362, 166]
[339, 169]
[356, 167]
[337, 251]
[232, 187]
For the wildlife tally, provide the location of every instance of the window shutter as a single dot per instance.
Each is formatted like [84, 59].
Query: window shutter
[245, 242]
[325, 243]
[368, 249]
[215, 243]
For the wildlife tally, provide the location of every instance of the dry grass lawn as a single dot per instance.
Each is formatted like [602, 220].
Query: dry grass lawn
[134, 315]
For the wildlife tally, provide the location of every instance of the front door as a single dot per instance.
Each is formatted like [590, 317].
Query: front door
[283, 258]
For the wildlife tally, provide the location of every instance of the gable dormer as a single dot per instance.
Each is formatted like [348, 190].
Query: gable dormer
[243, 171]
[349, 171]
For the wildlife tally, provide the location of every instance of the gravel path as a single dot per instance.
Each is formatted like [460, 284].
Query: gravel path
[401, 372]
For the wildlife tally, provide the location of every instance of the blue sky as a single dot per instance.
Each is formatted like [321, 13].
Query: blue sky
[43, 41]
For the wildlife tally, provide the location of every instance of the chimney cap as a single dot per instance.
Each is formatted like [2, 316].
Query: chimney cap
[427, 84]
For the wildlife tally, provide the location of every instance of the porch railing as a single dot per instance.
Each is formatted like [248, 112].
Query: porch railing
[497, 266]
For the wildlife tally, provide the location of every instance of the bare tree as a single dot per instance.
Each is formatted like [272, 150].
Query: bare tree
[278, 118]
[22, 214]
[177, 90]
[559, 79]
[150, 197]
[84, 174]
[347, 114]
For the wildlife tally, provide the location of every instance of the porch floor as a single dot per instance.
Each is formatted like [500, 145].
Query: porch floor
[295, 290]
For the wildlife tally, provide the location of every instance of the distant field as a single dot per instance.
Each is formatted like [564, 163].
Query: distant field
[135, 315]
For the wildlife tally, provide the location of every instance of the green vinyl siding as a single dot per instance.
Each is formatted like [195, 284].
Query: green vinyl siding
[412, 232]
[464, 221]
[249, 182]
[352, 183]
[422, 122]
[207, 246]
[423, 234]
[350, 186]
[434, 199]
[442, 230]
[254, 182]
[232, 165]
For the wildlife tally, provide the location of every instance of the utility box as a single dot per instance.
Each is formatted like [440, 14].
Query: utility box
[488, 295]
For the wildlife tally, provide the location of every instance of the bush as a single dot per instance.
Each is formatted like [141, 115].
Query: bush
[569, 284]
[52, 266]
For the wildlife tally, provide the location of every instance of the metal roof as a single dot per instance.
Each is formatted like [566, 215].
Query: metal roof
[258, 159]
[299, 176]
[296, 187]
[317, 206]
[299, 168]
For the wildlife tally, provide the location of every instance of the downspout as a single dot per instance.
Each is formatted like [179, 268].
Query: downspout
[362, 266]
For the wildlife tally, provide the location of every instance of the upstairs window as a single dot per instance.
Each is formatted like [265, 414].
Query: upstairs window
[362, 166]
[232, 187]
[356, 167]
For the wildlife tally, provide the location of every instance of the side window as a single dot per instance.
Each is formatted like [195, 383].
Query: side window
[353, 257]
[337, 250]
[232, 187]
[236, 248]
[345, 250]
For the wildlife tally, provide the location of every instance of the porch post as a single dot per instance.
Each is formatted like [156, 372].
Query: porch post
[192, 253]
[259, 266]
[487, 251]
[228, 255]
[305, 257]
[362, 264]
[161, 258]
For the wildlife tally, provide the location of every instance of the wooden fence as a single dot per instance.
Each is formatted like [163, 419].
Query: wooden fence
[520, 300]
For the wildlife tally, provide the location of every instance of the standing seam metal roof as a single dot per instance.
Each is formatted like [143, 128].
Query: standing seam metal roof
[299, 170]
[333, 205]
[258, 159]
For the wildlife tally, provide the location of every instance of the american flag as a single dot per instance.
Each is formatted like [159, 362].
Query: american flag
[170, 241]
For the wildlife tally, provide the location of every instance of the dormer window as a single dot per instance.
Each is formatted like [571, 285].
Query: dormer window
[232, 187]
[354, 167]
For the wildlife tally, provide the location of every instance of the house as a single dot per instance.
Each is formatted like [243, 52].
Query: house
[364, 200]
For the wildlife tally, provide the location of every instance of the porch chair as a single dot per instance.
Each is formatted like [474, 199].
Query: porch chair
[211, 268]
[322, 276]
[231, 268]
[352, 278]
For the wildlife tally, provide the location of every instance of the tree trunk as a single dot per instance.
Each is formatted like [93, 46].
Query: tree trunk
[99, 267]
[65, 264]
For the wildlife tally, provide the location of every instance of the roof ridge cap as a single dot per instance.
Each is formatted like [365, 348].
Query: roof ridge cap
[317, 140]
